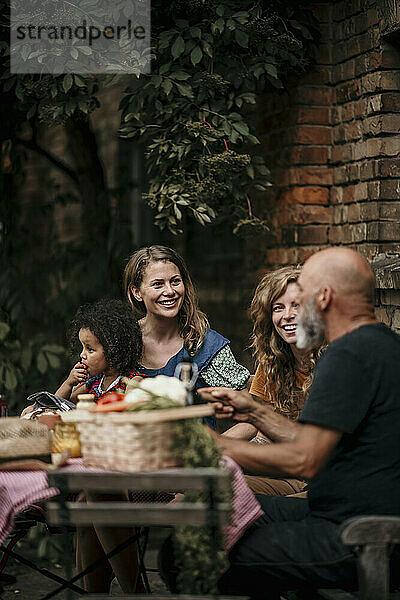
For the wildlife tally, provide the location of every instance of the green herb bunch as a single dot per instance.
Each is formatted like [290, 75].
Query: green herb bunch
[199, 562]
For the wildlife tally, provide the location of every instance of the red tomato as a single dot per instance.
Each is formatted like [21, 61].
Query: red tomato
[111, 397]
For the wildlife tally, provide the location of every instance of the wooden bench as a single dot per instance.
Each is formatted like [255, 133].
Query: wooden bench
[211, 513]
[373, 538]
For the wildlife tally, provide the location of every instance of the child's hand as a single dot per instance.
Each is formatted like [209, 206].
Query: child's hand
[79, 374]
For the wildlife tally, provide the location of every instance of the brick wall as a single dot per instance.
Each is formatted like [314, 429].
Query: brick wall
[333, 142]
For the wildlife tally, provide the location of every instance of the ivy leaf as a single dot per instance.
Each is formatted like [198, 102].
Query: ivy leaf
[54, 361]
[25, 52]
[53, 348]
[79, 81]
[74, 53]
[85, 50]
[195, 32]
[26, 357]
[10, 380]
[4, 330]
[220, 25]
[31, 112]
[167, 86]
[242, 38]
[271, 70]
[67, 82]
[241, 127]
[185, 90]
[180, 75]
[41, 363]
[196, 55]
[178, 47]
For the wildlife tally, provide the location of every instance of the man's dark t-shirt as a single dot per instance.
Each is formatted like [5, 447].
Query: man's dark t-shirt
[356, 390]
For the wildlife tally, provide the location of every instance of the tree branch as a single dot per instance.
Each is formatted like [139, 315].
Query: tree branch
[31, 145]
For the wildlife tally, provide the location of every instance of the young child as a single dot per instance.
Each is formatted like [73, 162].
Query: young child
[111, 348]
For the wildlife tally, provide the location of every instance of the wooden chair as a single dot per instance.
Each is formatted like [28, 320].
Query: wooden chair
[373, 538]
[211, 513]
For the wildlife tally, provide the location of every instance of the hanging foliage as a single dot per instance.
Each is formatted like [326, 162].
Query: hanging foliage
[195, 113]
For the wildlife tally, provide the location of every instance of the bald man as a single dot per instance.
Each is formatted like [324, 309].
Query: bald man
[346, 442]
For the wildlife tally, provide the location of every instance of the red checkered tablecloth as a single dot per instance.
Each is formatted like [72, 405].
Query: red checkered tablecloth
[20, 489]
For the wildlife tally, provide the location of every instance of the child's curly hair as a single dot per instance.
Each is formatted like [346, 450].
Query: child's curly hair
[116, 328]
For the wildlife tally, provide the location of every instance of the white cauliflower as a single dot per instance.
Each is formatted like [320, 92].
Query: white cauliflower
[161, 386]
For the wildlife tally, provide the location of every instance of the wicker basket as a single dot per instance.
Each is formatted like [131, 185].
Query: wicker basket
[133, 441]
[21, 438]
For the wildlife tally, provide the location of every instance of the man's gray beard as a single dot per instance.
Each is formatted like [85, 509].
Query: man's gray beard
[310, 327]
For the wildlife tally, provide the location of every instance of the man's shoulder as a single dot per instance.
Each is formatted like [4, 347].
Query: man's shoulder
[367, 334]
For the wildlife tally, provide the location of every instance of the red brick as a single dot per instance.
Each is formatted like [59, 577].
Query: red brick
[348, 233]
[348, 111]
[336, 115]
[353, 131]
[381, 80]
[389, 189]
[313, 115]
[361, 65]
[339, 134]
[308, 134]
[390, 58]
[304, 252]
[372, 16]
[307, 155]
[348, 91]
[339, 214]
[353, 213]
[353, 46]
[312, 234]
[322, 12]
[304, 214]
[342, 154]
[360, 108]
[369, 211]
[383, 315]
[383, 231]
[305, 195]
[387, 123]
[373, 190]
[318, 76]
[348, 70]
[390, 102]
[339, 10]
[316, 175]
[348, 194]
[336, 195]
[324, 54]
[389, 167]
[390, 211]
[361, 191]
[314, 96]
[325, 30]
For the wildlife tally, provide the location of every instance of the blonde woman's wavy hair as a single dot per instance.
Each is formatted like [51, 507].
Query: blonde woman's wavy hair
[271, 352]
[193, 323]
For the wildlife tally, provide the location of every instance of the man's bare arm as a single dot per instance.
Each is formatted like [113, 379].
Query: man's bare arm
[302, 458]
[243, 407]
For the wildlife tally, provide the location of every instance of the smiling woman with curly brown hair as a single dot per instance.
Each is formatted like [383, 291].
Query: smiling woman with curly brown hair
[284, 373]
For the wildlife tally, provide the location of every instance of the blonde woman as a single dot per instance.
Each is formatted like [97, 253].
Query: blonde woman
[161, 292]
[159, 288]
[284, 373]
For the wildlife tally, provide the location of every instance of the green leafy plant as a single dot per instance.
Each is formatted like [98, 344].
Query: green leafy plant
[195, 112]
